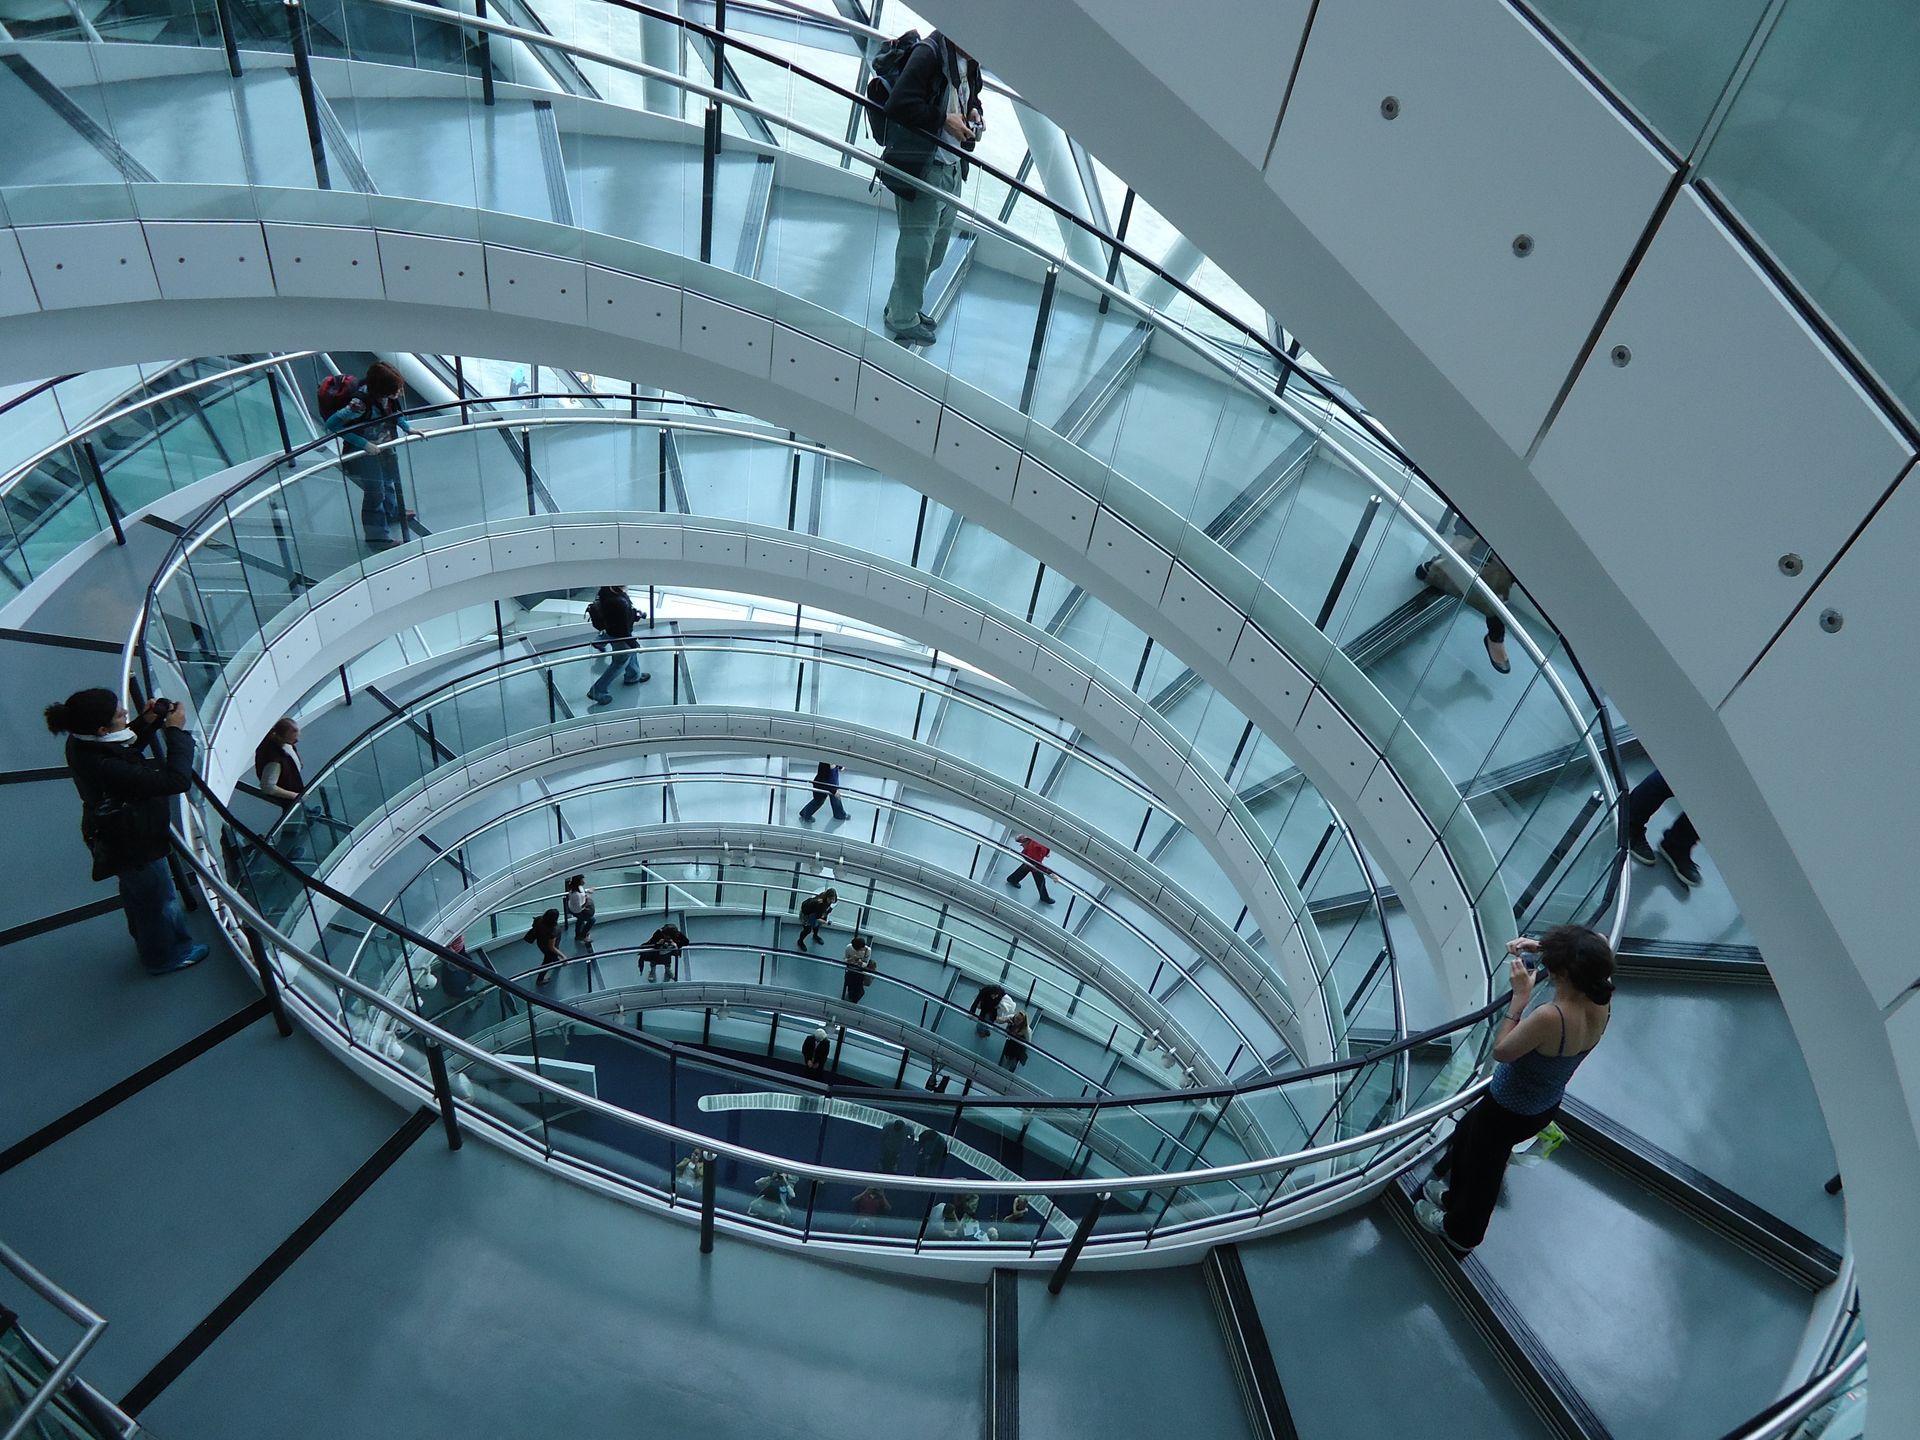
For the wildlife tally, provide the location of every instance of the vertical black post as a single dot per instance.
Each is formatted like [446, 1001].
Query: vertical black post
[269, 983]
[280, 413]
[460, 386]
[309, 97]
[485, 55]
[443, 1095]
[106, 496]
[1562, 848]
[224, 14]
[1040, 324]
[1371, 509]
[1119, 238]
[1078, 1243]
[709, 1185]
[526, 468]
[709, 160]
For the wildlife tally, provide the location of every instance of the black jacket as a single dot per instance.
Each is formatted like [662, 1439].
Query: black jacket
[617, 612]
[114, 776]
[917, 107]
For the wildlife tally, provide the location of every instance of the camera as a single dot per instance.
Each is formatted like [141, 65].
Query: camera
[163, 708]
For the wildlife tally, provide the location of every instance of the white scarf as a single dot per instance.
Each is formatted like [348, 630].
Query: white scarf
[118, 737]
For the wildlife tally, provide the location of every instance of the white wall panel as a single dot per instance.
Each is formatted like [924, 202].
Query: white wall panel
[324, 261]
[989, 462]
[726, 336]
[891, 405]
[453, 563]
[1062, 509]
[587, 542]
[16, 285]
[1259, 663]
[1826, 724]
[817, 370]
[650, 542]
[1235, 88]
[429, 270]
[1138, 562]
[1729, 439]
[1201, 612]
[541, 287]
[210, 260]
[1401, 835]
[1341, 748]
[76, 265]
[1424, 209]
[647, 311]
[771, 557]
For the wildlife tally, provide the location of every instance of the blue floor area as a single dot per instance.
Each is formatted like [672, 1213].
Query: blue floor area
[1367, 1342]
[1124, 1355]
[467, 1294]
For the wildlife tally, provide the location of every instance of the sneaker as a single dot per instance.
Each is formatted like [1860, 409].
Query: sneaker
[1434, 1221]
[1640, 849]
[1684, 870]
[1420, 571]
[640, 679]
[594, 699]
[194, 955]
[1436, 1192]
[919, 334]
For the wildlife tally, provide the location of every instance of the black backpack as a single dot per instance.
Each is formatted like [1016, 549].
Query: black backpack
[888, 62]
[598, 616]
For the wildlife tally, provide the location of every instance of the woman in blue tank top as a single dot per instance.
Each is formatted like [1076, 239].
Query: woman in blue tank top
[1536, 1055]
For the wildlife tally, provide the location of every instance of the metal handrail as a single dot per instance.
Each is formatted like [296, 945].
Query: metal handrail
[11, 477]
[705, 777]
[861, 1179]
[62, 1372]
[1779, 1420]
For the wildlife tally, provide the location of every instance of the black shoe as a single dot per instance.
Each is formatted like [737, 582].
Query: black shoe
[1684, 870]
[1014, 880]
[1496, 658]
[640, 679]
[1046, 900]
[918, 334]
[1420, 572]
[928, 321]
[1641, 851]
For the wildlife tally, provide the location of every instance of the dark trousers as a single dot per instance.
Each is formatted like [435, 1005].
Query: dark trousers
[1039, 878]
[1645, 798]
[853, 987]
[583, 926]
[821, 795]
[1013, 1054]
[1477, 1160]
[154, 917]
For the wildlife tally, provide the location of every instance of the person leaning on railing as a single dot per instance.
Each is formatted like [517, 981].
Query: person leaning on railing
[125, 814]
[937, 94]
[1537, 1054]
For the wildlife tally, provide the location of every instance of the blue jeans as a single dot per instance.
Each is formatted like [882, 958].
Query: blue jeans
[622, 652]
[381, 508]
[154, 917]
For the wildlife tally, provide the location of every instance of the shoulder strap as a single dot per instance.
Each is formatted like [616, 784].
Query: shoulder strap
[1563, 1028]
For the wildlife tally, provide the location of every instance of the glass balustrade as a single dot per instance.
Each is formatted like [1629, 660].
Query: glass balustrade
[837, 1142]
[1040, 354]
[512, 826]
[297, 521]
[503, 704]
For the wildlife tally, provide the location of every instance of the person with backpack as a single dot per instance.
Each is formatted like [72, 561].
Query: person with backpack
[1034, 856]
[933, 118]
[612, 613]
[662, 951]
[861, 966]
[986, 1006]
[126, 812]
[365, 414]
[544, 936]
[826, 787]
[813, 914]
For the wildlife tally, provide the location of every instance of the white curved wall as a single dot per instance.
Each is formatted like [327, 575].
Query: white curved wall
[1645, 505]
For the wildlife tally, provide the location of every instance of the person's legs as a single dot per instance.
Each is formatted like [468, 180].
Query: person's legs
[365, 472]
[1645, 798]
[390, 496]
[812, 807]
[154, 917]
[1020, 874]
[948, 176]
[631, 648]
[1481, 1148]
[1680, 838]
[601, 691]
[919, 217]
[839, 810]
[1040, 884]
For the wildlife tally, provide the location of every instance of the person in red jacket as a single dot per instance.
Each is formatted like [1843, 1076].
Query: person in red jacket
[1035, 854]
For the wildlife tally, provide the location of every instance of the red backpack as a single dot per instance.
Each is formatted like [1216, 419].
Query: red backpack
[335, 392]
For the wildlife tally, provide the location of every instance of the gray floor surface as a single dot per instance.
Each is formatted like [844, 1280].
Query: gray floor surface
[1663, 1327]
[1117, 1355]
[467, 1294]
[1368, 1343]
[154, 1212]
